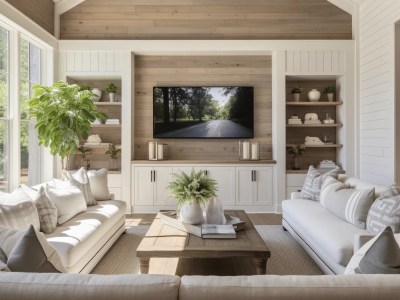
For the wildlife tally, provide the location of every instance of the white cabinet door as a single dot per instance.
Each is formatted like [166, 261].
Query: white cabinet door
[263, 186]
[225, 177]
[162, 177]
[144, 186]
[244, 186]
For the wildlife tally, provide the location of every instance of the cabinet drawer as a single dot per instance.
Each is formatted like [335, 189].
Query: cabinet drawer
[295, 179]
[114, 180]
[117, 193]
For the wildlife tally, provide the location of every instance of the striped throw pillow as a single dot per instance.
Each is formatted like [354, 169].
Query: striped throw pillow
[312, 184]
[351, 205]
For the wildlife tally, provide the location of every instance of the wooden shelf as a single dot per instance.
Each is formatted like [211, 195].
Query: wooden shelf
[108, 103]
[323, 146]
[106, 126]
[314, 103]
[315, 125]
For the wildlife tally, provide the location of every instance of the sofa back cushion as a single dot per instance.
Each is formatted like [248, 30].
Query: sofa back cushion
[351, 205]
[312, 184]
[99, 184]
[17, 210]
[80, 180]
[359, 184]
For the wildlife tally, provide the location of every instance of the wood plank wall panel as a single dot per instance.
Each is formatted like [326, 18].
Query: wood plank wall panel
[202, 71]
[206, 19]
[39, 11]
[377, 102]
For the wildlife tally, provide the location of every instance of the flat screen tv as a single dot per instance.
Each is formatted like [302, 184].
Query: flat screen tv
[203, 112]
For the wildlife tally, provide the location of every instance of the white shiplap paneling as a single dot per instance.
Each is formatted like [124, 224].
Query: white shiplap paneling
[303, 61]
[377, 104]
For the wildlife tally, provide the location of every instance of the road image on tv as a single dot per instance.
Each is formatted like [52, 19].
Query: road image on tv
[203, 112]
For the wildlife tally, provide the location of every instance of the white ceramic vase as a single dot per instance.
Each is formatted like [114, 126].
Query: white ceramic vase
[97, 94]
[112, 97]
[314, 95]
[191, 213]
[215, 212]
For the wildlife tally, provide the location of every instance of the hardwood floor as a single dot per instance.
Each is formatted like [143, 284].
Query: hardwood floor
[256, 218]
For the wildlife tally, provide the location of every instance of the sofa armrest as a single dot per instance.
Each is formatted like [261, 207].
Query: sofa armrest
[361, 239]
[295, 195]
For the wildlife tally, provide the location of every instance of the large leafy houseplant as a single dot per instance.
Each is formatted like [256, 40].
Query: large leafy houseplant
[63, 114]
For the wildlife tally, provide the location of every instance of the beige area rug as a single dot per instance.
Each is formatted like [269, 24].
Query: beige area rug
[287, 256]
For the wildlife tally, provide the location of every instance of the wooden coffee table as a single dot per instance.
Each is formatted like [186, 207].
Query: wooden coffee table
[163, 241]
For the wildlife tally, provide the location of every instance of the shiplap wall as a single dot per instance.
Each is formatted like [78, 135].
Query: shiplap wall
[39, 11]
[318, 61]
[206, 19]
[377, 103]
[153, 71]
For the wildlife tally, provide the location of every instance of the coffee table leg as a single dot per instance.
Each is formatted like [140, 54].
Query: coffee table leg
[261, 266]
[144, 265]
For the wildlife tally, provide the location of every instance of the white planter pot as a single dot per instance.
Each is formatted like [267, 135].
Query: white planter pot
[97, 94]
[296, 97]
[191, 213]
[314, 95]
[112, 97]
[330, 97]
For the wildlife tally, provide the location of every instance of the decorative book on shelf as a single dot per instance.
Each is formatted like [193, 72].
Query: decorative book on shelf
[169, 217]
[210, 231]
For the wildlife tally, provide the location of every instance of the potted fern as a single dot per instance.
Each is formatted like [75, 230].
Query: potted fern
[192, 191]
[111, 89]
[113, 151]
[63, 114]
[296, 93]
[329, 91]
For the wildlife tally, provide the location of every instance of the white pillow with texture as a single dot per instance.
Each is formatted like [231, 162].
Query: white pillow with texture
[80, 180]
[69, 201]
[17, 210]
[99, 184]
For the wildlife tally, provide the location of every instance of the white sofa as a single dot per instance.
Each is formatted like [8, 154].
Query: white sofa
[329, 240]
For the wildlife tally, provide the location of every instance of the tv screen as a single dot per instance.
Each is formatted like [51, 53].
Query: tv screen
[203, 112]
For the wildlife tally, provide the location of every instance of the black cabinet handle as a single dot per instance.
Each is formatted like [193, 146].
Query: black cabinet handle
[154, 176]
[252, 175]
[151, 176]
[206, 172]
[255, 175]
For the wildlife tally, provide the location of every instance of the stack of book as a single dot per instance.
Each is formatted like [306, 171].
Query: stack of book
[326, 165]
[210, 231]
[112, 121]
[294, 120]
[312, 122]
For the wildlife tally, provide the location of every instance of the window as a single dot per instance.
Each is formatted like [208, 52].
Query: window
[29, 74]
[4, 109]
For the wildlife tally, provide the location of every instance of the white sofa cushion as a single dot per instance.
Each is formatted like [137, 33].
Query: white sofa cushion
[99, 184]
[17, 210]
[351, 205]
[80, 180]
[328, 236]
[76, 237]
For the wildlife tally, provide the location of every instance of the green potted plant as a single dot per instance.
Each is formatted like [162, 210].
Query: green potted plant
[296, 93]
[296, 151]
[63, 114]
[191, 191]
[113, 151]
[330, 90]
[111, 89]
[85, 162]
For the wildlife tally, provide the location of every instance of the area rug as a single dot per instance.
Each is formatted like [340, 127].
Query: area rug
[287, 256]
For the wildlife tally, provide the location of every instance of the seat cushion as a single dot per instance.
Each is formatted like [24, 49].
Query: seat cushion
[325, 233]
[82, 233]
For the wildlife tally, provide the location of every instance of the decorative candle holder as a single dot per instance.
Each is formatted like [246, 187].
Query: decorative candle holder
[255, 150]
[244, 150]
[162, 151]
[152, 150]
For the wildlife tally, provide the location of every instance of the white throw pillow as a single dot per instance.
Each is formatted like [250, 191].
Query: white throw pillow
[17, 210]
[349, 204]
[80, 180]
[69, 201]
[99, 184]
[9, 237]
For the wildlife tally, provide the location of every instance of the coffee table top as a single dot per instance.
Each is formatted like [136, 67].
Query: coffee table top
[162, 240]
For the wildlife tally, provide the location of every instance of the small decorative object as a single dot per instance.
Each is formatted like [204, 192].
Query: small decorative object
[94, 139]
[85, 162]
[311, 119]
[329, 120]
[294, 120]
[296, 94]
[296, 151]
[191, 191]
[152, 146]
[244, 150]
[330, 90]
[112, 122]
[97, 94]
[327, 140]
[215, 212]
[111, 89]
[162, 151]
[314, 95]
[255, 150]
[113, 151]
[313, 140]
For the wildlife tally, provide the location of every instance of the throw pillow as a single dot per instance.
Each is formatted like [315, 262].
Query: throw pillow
[47, 209]
[381, 255]
[384, 212]
[80, 180]
[3, 261]
[17, 210]
[99, 184]
[312, 184]
[349, 204]
[34, 254]
[9, 237]
[68, 200]
[391, 191]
